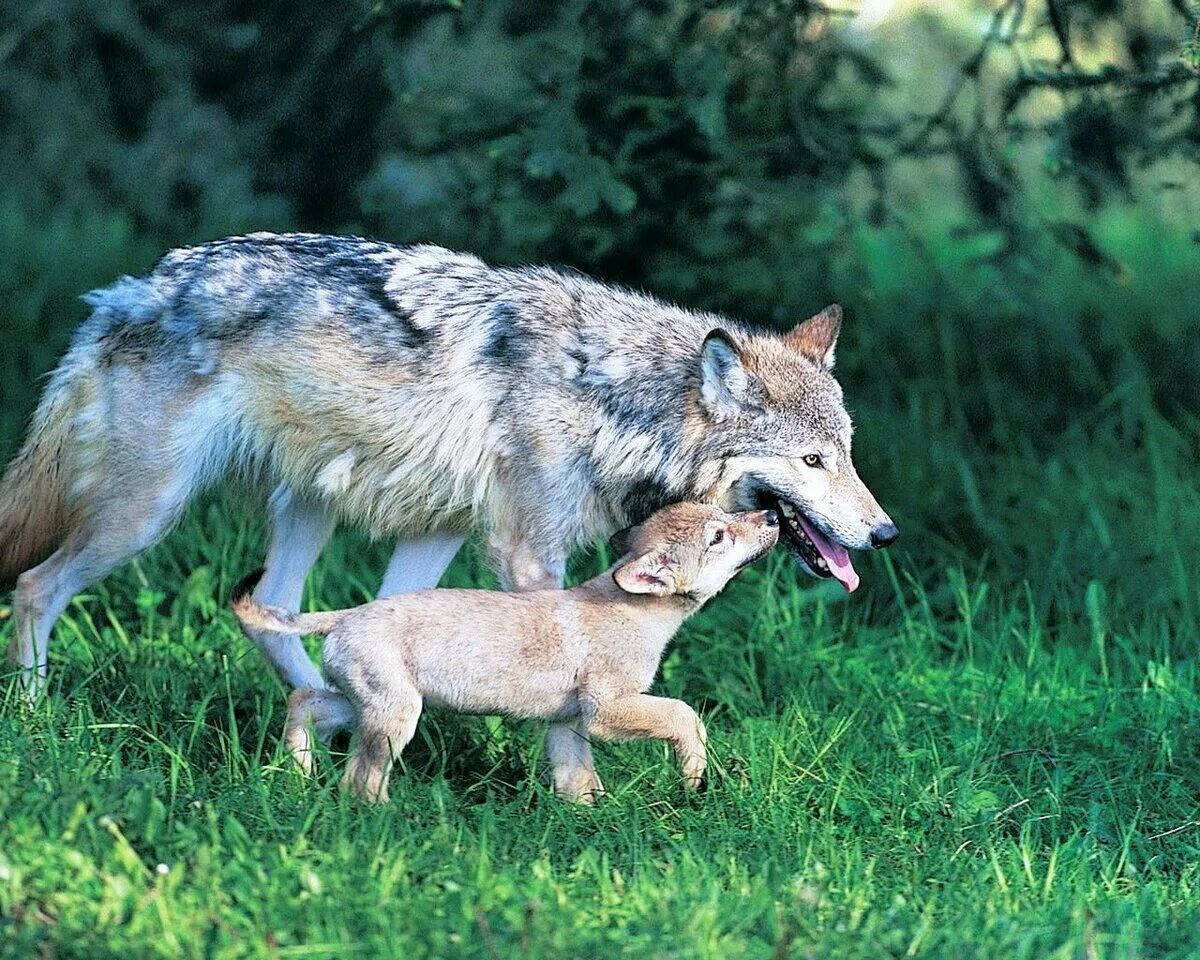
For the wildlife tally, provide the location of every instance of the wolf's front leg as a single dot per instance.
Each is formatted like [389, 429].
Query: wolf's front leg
[642, 717]
[523, 567]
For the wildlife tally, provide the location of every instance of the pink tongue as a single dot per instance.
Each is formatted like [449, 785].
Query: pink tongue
[837, 556]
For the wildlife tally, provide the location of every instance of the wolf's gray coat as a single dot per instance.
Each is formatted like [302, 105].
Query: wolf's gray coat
[417, 393]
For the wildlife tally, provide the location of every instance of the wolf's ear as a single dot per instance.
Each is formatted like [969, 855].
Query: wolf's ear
[726, 386]
[817, 336]
[620, 542]
[651, 574]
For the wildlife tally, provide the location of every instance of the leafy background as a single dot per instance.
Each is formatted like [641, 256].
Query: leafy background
[1004, 196]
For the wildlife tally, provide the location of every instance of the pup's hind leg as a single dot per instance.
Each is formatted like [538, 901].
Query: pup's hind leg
[321, 711]
[523, 566]
[416, 564]
[299, 530]
[384, 730]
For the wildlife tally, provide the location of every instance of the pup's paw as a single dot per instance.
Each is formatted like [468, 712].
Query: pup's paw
[299, 744]
[579, 786]
[693, 771]
[297, 732]
[367, 786]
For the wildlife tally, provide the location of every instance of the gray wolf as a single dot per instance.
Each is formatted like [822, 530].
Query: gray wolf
[417, 393]
[587, 654]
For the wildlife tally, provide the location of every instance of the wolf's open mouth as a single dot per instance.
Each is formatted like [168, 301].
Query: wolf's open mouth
[821, 556]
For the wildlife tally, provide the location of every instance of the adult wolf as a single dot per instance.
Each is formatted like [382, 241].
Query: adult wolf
[415, 392]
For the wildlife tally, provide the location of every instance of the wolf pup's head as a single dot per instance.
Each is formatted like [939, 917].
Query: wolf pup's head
[780, 416]
[691, 548]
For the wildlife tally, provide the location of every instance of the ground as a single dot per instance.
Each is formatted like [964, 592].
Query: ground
[919, 770]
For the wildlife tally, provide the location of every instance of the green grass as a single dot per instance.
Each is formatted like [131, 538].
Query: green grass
[989, 751]
[930, 770]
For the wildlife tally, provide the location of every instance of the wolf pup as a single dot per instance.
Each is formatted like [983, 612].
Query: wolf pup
[586, 654]
[416, 393]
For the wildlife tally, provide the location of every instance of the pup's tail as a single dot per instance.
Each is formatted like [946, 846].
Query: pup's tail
[35, 491]
[262, 618]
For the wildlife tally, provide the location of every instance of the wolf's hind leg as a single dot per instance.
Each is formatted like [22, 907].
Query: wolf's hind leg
[383, 733]
[40, 597]
[322, 711]
[299, 530]
[418, 564]
[114, 535]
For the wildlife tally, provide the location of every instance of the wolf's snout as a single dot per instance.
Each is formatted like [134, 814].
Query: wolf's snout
[884, 535]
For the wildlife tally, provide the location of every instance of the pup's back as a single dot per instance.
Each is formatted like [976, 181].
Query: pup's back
[476, 651]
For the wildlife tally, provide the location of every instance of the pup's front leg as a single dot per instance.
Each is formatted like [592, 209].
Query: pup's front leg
[570, 754]
[524, 567]
[642, 717]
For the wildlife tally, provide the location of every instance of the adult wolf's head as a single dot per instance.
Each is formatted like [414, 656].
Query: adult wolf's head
[778, 415]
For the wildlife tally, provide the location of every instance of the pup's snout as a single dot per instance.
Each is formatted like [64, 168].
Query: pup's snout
[884, 535]
[770, 518]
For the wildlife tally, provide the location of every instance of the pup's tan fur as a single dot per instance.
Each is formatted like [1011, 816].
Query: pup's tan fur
[586, 654]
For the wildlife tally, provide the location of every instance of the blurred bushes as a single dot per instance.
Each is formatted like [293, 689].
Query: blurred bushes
[187, 120]
[1004, 194]
[724, 152]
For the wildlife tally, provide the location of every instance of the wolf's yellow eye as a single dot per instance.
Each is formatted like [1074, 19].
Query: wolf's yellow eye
[717, 537]
[812, 460]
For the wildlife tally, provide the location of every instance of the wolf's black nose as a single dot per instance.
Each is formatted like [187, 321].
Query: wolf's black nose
[884, 535]
[770, 518]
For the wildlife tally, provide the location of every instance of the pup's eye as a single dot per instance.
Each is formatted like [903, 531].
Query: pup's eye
[717, 537]
[812, 460]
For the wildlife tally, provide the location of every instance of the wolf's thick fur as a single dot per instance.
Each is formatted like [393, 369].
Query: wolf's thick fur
[416, 393]
[587, 654]
[34, 501]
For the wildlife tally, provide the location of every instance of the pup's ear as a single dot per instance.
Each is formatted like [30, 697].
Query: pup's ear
[726, 386]
[651, 573]
[619, 543]
[817, 336]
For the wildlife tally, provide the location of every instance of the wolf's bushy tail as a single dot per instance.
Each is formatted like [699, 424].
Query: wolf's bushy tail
[43, 493]
[35, 508]
[267, 619]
